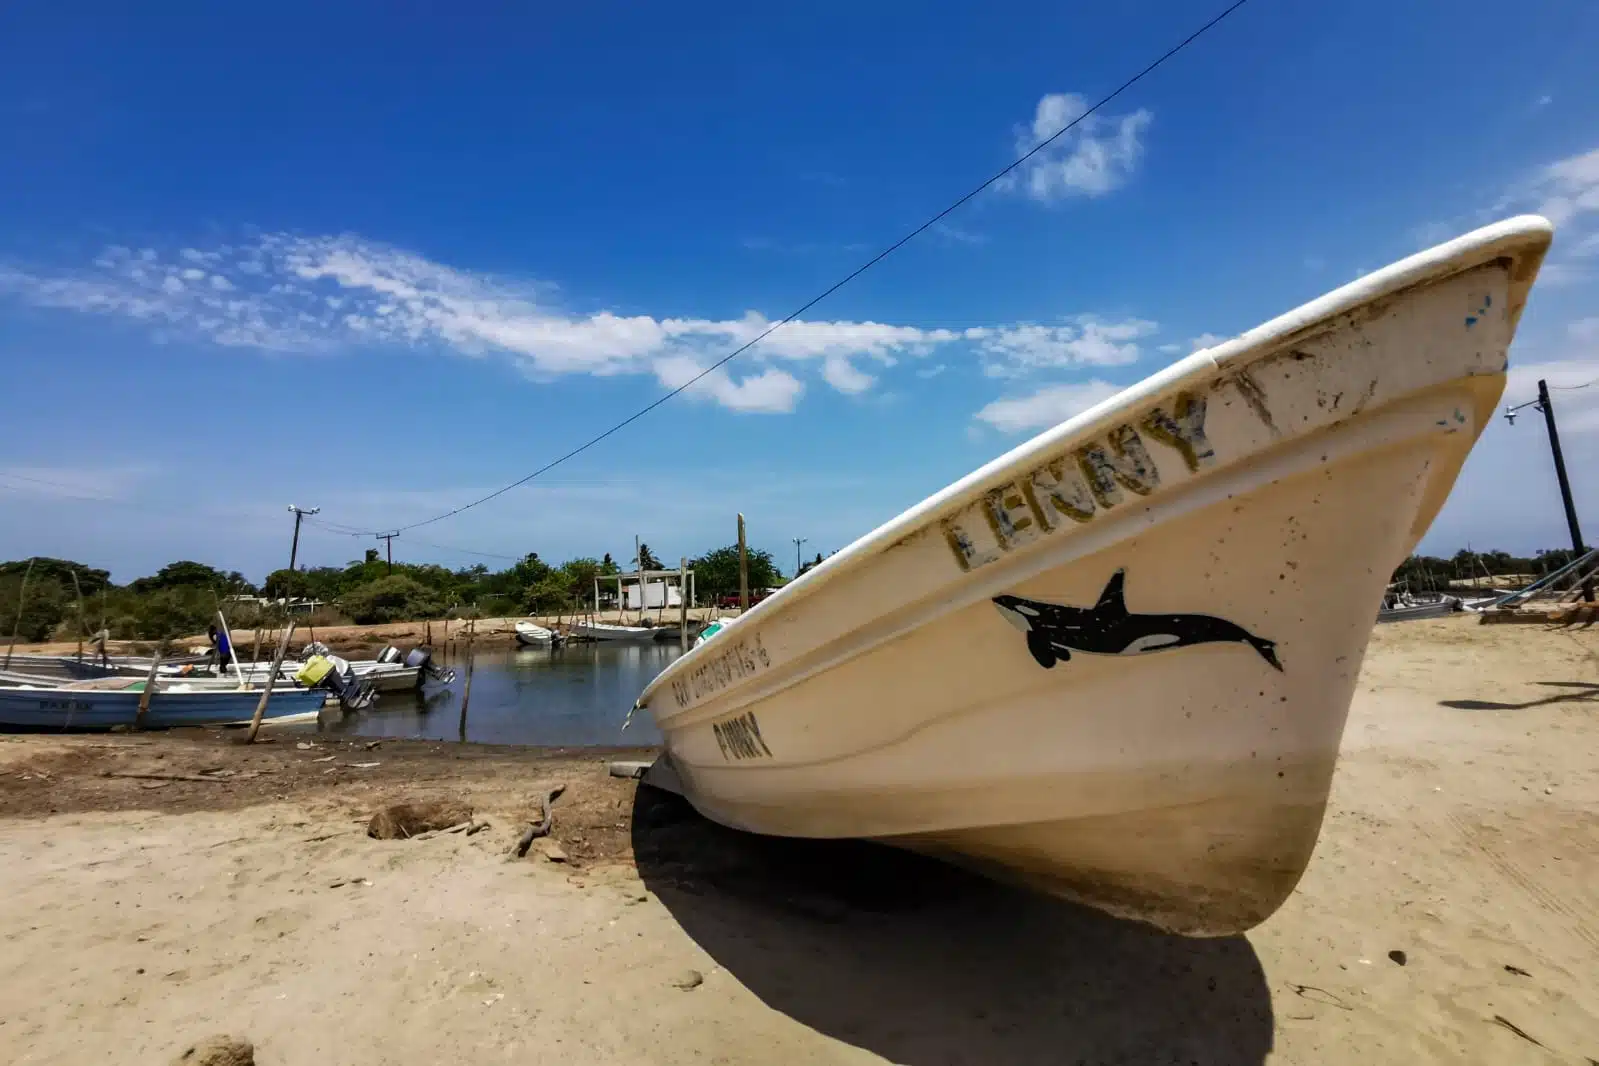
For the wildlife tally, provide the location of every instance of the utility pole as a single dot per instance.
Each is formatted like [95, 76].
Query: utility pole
[1544, 404]
[299, 513]
[388, 542]
[797, 542]
[743, 571]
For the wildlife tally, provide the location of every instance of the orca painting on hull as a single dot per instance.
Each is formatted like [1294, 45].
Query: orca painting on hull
[1054, 631]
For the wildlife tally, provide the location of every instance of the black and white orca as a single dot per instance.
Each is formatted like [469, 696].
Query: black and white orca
[1055, 631]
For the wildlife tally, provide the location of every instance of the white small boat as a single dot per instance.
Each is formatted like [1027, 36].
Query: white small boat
[606, 631]
[534, 636]
[1115, 662]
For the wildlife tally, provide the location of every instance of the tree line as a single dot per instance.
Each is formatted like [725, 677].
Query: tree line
[64, 598]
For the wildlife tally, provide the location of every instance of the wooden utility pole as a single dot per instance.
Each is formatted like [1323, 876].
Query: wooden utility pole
[388, 543]
[797, 542]
[299, 513]
[743, 570]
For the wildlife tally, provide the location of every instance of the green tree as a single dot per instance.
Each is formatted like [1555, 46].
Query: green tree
[391, 599]
[716, 573]
[44, 607]
[59, 571]
[189, 574]
[287, 584]
[646, 559]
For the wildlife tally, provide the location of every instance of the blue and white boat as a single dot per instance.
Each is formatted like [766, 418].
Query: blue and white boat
[91, 708]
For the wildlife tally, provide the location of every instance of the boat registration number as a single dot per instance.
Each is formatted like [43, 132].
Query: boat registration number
[740, 738]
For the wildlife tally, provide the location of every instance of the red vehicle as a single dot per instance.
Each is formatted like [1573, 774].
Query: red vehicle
[730, 603]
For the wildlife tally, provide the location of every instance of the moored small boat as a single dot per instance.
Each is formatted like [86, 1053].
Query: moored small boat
[1115, 663]
[91, 708]
[532, 635]
[606, 632]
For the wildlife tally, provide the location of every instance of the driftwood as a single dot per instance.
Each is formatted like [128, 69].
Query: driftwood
[540, 828]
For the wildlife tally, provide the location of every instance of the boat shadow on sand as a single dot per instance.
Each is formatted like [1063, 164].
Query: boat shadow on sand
[924, 964]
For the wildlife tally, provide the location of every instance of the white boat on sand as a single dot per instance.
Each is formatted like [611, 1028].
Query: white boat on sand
[1115, 663]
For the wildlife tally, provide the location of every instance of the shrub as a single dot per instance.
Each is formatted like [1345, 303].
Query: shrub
[390, 599]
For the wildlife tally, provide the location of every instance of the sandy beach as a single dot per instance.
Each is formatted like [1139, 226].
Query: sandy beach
[158, 889]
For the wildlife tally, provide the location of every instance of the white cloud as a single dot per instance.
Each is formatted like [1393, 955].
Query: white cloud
[1205, 340]
[959, 236]
[1170, 349]
[1568, 188]
[1086, 340]
[1543, 101]
[1047, 407]
[1588, 246]
[1095, 157]
[287, 293]
[772, 391]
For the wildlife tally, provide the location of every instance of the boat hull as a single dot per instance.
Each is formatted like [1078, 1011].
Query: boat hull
[90, 709]
[618, 634]
[1116, 663]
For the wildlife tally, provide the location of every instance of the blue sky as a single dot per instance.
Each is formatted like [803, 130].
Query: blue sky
[381, 263]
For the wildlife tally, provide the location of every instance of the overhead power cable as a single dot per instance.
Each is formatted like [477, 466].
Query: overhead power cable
[851, 276]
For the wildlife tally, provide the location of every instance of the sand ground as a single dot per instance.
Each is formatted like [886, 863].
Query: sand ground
[158, 889]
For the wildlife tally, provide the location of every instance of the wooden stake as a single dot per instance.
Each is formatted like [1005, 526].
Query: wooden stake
[272, 680]
[22, 601]
[149, 686]
[466, 696]
[682, 603]
[233, 653]
[743, 570]
[83, 623]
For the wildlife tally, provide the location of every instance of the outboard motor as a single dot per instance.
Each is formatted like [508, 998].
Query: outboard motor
[391, 654]
[334, 674]
[422, 658]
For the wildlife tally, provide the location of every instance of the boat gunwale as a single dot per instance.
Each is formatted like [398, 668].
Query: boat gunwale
[1523, 240]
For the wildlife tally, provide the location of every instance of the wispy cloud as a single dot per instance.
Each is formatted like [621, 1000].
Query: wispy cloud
[1047, 407]
[1568, 187]
[299, 294]
[1096, 157]
[112, 482]
[1205, 340]
[1542, 102]
[957, 235]
[1085, 340]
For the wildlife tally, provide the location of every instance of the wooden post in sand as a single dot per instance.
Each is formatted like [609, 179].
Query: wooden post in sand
[149, 686]
[466, 695]
[682, 603]
[272, 679]
[743, 570]
[233, 653]
[83, 621]
[22, 601]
